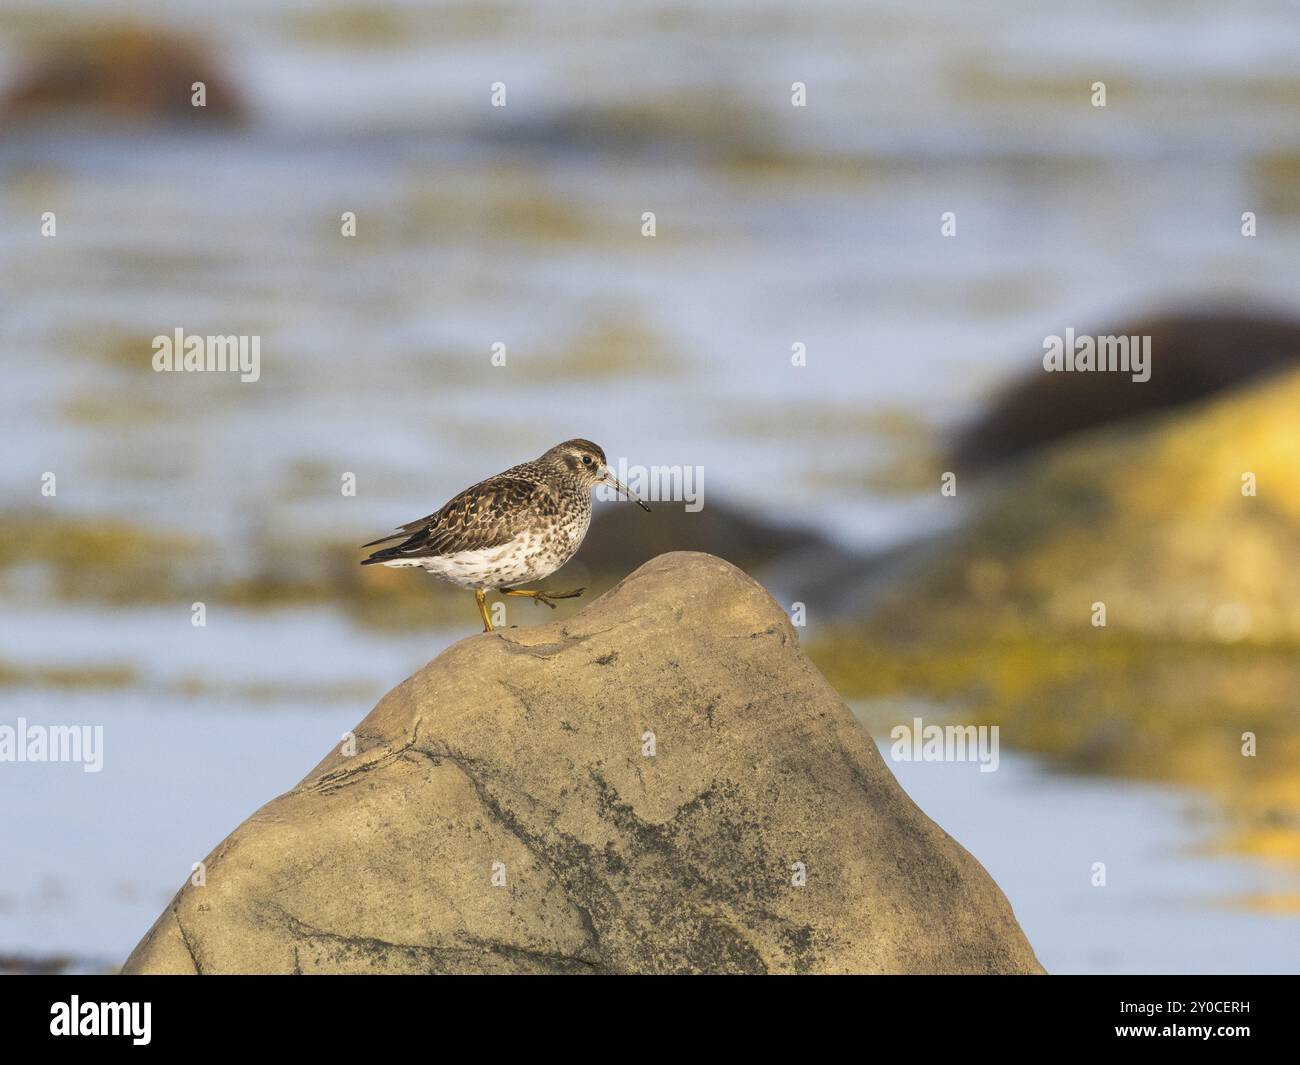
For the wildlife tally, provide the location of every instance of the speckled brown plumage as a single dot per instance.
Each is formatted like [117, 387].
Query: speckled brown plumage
[517, 527]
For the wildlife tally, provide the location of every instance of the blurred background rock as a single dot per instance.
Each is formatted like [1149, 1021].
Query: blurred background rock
[776, 225]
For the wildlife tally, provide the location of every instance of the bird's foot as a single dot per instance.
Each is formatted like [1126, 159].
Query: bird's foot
[539, 596]
[480, 597]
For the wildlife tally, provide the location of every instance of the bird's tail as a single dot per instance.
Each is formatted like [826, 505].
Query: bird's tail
[401, 534]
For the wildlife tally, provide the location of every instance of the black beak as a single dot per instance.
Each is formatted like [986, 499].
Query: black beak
[614, 482]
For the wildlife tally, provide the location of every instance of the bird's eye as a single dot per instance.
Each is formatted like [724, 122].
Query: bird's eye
[586, 460]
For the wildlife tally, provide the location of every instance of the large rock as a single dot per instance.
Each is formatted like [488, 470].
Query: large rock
[521, 756]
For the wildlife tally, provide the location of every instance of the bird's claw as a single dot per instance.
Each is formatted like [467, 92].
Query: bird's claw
[549, 597]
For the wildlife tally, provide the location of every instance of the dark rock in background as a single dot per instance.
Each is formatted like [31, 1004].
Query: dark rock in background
[125, 74]
[1193, 355]
[625, 537]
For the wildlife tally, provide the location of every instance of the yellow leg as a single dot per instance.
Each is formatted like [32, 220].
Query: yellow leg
[480, 597]
[538, 596]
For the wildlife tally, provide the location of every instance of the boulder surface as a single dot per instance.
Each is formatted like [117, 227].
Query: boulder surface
[661, 784]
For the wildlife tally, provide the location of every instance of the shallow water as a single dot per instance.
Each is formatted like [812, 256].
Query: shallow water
[1162, 908]
[776, 225]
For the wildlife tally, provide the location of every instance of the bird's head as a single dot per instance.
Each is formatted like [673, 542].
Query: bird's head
[585, 462]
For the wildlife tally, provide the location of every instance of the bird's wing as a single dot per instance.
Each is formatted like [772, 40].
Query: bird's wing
[404, 530]
[475, 519]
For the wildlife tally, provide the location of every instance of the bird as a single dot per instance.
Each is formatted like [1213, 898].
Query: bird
[514, 528]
